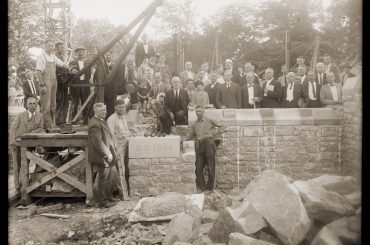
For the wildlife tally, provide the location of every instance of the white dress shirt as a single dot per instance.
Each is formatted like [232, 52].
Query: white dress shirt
[302, 78]
[250, 94]
[30, 114]
[190, 74]
[327, 68]
[81, 66]
[289, 92]
[334, 92]
[311, 94]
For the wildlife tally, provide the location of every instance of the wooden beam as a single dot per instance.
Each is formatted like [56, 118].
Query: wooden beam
[72, 181]
[83, 106]
[89, 180]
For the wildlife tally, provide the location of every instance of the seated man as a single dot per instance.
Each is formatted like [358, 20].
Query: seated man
[162, 113]
[118, 126]
[29, 121]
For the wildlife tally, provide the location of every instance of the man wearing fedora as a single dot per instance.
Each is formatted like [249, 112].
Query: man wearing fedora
[80, 94]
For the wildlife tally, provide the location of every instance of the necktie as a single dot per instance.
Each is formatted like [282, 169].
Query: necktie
[313, 90]
[33, 88]
[291, 85]
[177, 94]
[250, 85]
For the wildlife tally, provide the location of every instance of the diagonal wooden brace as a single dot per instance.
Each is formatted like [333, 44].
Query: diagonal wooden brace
[56, 172]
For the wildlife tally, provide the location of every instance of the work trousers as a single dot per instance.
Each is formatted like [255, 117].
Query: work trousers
[79, 95]
[48, 100]
[180, 117]
[122, 164]
[62, 104]
[104, 184]
[205, 156]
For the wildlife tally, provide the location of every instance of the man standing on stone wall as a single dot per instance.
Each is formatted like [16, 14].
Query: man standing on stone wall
[204, 130]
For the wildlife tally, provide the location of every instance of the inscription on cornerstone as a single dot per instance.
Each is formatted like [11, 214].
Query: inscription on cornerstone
[154, 147]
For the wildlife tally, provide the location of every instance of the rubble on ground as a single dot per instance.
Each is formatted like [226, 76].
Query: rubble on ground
[272, 209]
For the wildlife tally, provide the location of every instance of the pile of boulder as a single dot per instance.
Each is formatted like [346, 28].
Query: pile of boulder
[274, 209]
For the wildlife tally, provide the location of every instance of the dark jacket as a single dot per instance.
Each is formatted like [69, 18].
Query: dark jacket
[231, 98]
[212, 92]
[100, 142]
[170, 100]
[272, 100]
[245, 96]
[324, 79]
[74, 65]
[305, 91]
[297, 94]
[140, 54]
[27, 91]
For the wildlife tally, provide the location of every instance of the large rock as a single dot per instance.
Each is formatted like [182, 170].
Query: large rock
[166, 204]
[264, 236]
[323, 205]
[179, 229]
[340, 229]
[326, 237]
[279, 203]
[208, 216]
[202, 229]
[240, 239]
[339, 184]
[354, 198]
[243, 219]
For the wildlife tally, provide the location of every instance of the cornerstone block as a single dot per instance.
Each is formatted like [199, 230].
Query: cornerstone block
[154, 147]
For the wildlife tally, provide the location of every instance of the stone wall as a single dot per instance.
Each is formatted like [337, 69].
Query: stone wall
[153, 176]
[351, 139]
[300, 143]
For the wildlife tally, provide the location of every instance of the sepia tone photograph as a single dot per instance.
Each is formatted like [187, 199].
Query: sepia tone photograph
[185, 122]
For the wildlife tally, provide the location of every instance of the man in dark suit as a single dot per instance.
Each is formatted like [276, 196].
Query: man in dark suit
[102, 154]
[311, 91]
[177, 101]
[332, 67]
[251, 92]
[229, 93]
[143, 50]
[320, 74]
[212, 88]
[291, 93]
[30, 87]
[234, 71]
[249, 67]
[302, 73]
[271, 90]
[80, 94]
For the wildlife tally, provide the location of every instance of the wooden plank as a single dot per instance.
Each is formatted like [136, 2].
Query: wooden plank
[89, 180]
[58, 216]
[72, 181]
[77, 135]
[83, 106]
[54, 142]
[54, 172]
[50, 208]
[57, 194]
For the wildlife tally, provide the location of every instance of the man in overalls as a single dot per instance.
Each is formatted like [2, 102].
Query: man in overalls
[46, 65]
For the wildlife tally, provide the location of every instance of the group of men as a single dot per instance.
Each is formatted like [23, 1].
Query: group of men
[170, 98]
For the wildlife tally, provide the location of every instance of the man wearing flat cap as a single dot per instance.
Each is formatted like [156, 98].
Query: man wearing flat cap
[80, 94]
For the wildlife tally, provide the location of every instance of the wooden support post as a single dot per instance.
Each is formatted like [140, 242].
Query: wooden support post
[24, 177]
[89, 180]
[287, 59]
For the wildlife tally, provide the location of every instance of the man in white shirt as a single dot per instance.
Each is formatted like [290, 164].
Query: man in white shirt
[205, 76]
[331, 93]
[117, 124]
[46, 70]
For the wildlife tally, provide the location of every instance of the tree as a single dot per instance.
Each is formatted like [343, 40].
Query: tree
[25, 31]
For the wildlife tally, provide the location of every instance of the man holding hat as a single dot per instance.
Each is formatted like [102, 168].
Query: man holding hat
[80, 94]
